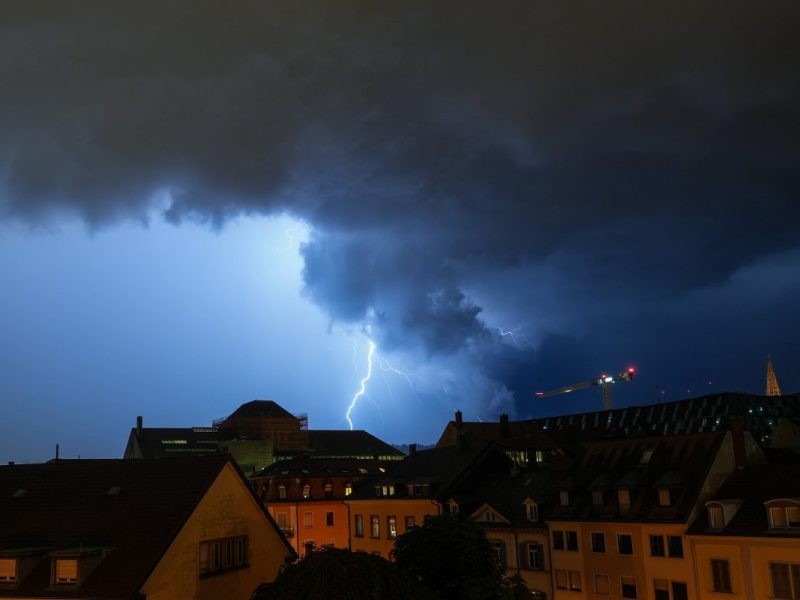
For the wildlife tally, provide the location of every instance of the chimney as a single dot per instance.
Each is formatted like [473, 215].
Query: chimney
[504, 425]
[139, 427]
[459, 419]
[57, 452]
[739, 451]
[412, 449]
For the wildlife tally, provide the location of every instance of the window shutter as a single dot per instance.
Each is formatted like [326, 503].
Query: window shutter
[503, 559]
[522, 557]
[540, 549]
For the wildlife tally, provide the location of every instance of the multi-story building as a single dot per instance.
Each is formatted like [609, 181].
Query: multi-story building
[186, 527]
[746, 541]
[305, 496]
[618, 523]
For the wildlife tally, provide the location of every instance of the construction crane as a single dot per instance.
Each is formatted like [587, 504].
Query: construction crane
[605, 381]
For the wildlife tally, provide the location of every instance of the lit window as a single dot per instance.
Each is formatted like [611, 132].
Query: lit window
[306, 491]
[628, 587]
[66, 571]
[663, 497]
[532, 511]
[715, 517]
[539, 456]
[8, 570]
[391, 526]
[375, 526]
[601, 584]
[624, 500]
[348, 489]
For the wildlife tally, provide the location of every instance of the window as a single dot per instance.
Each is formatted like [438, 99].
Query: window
[784, 517]
[540, 456]
[558, 540]
[715, 517]
[601, 584]
[217, 556]
[721, 575]
[785, 580]
[680, 591]
[328, 491]
[663, 497]
[66, 571]
[488, 516]
[374, 526]
[532, 511]
[662, 589]
[410, 522]
[308, 519]
[624, 499]
[628, 587]
[348, 488]
[625, 543]
[561, 579]
[575, 581]
[306, 491]
[563, 498]
[282, 492]
[535, 558]
[499, 548]
[282, 521]
[656, 545]
[675, 546]
[391, 526]
[646, 456]
[329, 519]
[572, 540]
[598, 542]
[597, 498]
[359, 526]
[8, 570]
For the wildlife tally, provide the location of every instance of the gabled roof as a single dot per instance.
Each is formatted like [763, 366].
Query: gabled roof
[754, 485]
[518, 435]
[309, 466]
[135, 508]
[641, 465]
[346, 443]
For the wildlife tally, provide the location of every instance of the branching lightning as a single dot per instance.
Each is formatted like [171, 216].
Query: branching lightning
[362, 390]
[517, 339]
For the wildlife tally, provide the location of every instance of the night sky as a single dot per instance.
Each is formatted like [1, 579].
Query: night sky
[200, 206]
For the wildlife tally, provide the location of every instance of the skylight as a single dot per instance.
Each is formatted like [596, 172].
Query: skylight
[646, 456]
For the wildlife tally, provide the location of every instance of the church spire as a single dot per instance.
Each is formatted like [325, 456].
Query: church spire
[773, 388]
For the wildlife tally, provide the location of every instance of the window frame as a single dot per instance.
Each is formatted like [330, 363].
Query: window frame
[623, 585]
[629, 536]
[598, 539]
[721, 574]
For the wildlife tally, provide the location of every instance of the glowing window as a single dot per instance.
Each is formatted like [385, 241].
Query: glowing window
[348, 489]
[306, 491]
[66, 571]
[8, 570]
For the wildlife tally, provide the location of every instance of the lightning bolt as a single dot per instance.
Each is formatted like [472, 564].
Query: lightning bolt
[362, 390]
[514, 336]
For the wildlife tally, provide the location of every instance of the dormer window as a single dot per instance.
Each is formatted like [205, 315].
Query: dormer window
[532, 511]
[563, 498]
[784, 514]
[328, 491]
[8, 570]
[65, 571]
[716, 518]
[348, 488]
[663, 497]
[597, 498]
[306, 491]
[282, 492]
[624, 500]
[646, 456]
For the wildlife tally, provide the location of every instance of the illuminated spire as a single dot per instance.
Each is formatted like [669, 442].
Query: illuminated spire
[773, 389]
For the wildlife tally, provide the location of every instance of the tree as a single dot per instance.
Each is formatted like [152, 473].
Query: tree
[452, 558]
[333, 574]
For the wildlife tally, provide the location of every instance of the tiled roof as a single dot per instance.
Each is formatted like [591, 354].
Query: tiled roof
[305, 466]
[135, 508]
[346, 443]
[753, 486]
[641, 465]
[513, 435]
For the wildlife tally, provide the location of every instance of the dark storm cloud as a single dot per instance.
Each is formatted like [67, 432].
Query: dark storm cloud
[634, 151]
